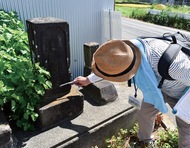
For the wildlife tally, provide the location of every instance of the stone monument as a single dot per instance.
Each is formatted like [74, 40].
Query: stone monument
[49, 45]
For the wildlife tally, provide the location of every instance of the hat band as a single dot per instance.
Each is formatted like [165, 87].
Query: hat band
[121, 73]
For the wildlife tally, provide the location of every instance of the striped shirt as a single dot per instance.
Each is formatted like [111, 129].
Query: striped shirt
[178, 70]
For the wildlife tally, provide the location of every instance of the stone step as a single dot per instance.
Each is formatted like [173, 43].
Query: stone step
[64, 108]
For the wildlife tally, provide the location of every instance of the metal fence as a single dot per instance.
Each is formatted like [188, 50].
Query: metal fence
[83, 16]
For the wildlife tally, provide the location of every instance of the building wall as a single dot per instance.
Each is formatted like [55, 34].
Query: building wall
[83, 16]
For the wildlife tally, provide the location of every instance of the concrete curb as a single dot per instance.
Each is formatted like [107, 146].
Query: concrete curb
[98, 134]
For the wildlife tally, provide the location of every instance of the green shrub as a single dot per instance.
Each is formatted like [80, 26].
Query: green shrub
[21, 86]
[165, 20]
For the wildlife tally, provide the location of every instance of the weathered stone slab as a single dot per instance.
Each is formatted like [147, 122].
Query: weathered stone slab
[66, 107]
[5, 132]
[101, 92]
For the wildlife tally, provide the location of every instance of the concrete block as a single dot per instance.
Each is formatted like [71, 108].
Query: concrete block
[101, 92]
[66, 107]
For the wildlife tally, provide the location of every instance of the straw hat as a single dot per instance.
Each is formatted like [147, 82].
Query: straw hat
[116, 60]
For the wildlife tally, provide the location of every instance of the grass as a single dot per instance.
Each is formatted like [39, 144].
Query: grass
[135, 5]
[127, 9]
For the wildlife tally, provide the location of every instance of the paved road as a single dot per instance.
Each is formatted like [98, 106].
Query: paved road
[132, 28]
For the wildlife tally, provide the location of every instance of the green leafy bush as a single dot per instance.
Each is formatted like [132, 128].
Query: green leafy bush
[21, 86]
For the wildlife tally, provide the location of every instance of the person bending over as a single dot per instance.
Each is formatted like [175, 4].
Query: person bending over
[137, 60]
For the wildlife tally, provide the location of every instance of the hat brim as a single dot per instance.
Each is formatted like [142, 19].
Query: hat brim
[124, 77]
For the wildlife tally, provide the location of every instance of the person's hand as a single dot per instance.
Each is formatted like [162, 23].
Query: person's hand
[81, 81]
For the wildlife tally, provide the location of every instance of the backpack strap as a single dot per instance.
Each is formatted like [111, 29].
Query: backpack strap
[165, 61]
[167, 36]
[184, 41]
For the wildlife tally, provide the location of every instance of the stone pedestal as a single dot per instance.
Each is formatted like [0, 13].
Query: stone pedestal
[64, 108]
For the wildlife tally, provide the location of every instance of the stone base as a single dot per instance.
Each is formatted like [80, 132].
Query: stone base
[66, 107]
[53, 94]
[101, 92]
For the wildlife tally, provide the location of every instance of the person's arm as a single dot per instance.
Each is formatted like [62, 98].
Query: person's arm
[84, 81]
[93, 78]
